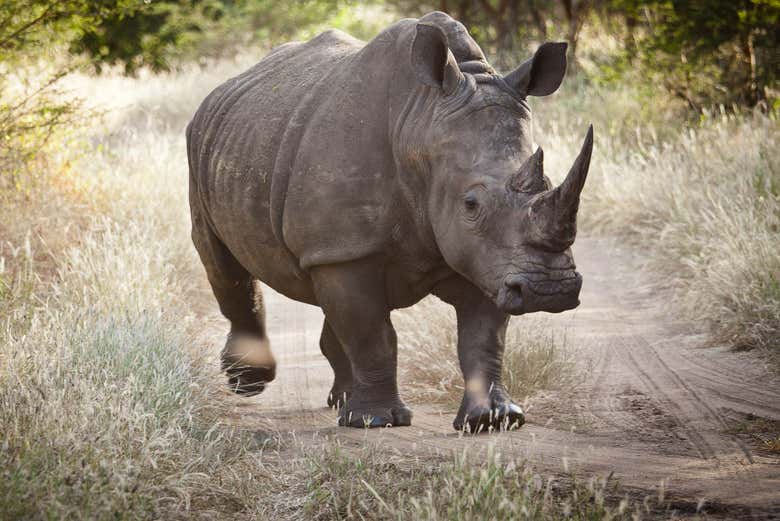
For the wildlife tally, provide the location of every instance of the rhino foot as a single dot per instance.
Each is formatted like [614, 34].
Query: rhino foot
[369, 416]
[338, 396]
[248, 363]
[248, 381]
[496, 411]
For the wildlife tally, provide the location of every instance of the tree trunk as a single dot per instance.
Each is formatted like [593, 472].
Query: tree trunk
[754, 93]
[575, 16]
[497, 17]
[630, 39]
[462, 14]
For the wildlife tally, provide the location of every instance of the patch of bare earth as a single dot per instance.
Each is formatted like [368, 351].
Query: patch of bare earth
[657, 405]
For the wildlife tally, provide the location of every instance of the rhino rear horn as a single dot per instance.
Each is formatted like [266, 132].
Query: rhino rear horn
[542, 74]
[432, 61]
[567, 193]
[530, 177]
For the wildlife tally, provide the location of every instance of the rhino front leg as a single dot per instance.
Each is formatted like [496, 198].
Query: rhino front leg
[352, 295]
[481, 337]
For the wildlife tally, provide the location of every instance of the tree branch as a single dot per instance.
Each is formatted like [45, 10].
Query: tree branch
[28, 25]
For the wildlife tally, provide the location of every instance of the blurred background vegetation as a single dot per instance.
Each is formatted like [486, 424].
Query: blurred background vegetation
[706, 53]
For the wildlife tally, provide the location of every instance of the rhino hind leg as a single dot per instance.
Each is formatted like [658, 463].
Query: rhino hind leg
[352, 296]
[342, 370]
[246, 359]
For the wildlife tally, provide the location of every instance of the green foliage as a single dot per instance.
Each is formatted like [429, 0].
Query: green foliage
[32, 107]
[145, 33]
[30, 113]
[132, 33]
[29, 27]
[720, 51]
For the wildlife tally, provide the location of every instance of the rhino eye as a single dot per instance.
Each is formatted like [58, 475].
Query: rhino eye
[471, 203]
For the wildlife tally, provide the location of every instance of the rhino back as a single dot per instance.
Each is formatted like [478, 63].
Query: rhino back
[343, 200]
[238, 136]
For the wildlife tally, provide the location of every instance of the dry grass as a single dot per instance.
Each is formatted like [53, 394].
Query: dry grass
[105, 409]
[428, 359]
[772, 444]
[373, 483]
[702, 202]
[536, 357]
[761, 433]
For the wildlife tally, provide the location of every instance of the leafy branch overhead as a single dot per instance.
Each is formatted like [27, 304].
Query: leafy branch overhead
[720, 52]
[707, 53]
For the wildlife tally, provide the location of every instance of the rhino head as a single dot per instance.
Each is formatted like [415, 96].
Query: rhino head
[496, 218]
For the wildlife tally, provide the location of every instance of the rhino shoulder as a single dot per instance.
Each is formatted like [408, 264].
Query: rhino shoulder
[338, 36]
[334, 39]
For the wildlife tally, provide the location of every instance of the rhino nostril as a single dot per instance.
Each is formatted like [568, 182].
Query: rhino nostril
[510, 296]
[515, 282]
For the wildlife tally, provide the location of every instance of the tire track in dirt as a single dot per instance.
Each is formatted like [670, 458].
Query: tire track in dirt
[713, 414]
[700, 423]
[727, 387]
[703, 425]
[723, 376]
[702, 446]
[599, 397]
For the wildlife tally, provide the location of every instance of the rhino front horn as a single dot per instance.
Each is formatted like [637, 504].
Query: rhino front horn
[568, 193]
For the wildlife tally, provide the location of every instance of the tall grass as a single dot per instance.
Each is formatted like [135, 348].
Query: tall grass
[102, 412]
[701, 201]
[107, 410]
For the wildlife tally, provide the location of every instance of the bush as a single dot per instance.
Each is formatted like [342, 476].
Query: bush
[707, 53]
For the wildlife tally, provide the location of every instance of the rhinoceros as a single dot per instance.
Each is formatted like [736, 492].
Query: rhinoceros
[361, 177]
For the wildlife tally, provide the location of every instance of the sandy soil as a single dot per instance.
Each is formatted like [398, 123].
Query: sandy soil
[658, 405]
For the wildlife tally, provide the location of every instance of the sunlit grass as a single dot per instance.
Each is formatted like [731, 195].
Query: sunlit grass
[772, 444]
[102, 409]
[702, 203]
[107, 407]
[536, 355]
[374, 483]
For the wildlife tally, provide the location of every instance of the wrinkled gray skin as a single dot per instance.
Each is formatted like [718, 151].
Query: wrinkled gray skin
[361, 177]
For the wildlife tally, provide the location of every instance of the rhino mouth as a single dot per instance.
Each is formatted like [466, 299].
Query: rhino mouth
[552, 291]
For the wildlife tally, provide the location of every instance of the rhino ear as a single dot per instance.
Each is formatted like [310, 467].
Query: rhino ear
[542, 74]
[432, 61]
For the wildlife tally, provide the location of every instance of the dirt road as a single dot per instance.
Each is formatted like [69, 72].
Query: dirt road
[658, 406]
